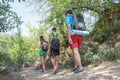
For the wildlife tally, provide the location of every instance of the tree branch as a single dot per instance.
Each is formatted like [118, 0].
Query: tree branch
[88, 8]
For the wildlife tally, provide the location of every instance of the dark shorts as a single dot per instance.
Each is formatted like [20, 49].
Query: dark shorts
[54, 52]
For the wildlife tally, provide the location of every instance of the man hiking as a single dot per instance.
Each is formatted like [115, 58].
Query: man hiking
[75, 42]
[54, 49]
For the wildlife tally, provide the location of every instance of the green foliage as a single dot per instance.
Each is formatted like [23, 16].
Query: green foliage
[16, 49]
[111, 54]
[25, 49]
[90, 58]
[4, 1]
[105, 53]
[107, 15]
[70, 63]
[8, 19]
[102, 34]
[108, 23]
[4, 56]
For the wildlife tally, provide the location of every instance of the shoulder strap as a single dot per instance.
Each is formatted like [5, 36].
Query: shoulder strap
[54, 35]
[46, 42]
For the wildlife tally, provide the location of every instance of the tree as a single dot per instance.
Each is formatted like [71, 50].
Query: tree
[105, 9]
[8, 19]
[4, 56]
[16, 49]
[108, 24]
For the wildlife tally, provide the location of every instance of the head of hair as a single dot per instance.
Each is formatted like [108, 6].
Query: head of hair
[41, 38]
[68, 12]
[53, 29]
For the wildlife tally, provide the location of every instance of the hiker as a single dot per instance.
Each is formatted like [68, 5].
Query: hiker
[75, 42]
[43, 46]
[54, 49]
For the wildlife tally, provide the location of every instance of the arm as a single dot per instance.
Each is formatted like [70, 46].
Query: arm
[69, 36]
[68, 29]
[49, 41]
[39, 45]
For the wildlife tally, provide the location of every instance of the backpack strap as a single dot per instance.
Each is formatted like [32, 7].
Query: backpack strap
[54, 35]
[74, 21]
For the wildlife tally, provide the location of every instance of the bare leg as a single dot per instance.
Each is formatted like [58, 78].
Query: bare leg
[43, 62]
[77, 58]
[75, 63]
[56, 65]
[56, 62]
[53, 61]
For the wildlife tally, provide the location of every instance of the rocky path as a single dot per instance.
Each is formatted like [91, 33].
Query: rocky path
[105, 71]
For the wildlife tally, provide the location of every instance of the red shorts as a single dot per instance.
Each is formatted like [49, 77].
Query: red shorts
[76, 41]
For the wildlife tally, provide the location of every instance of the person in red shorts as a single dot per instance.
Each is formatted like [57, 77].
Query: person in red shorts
[75, 42]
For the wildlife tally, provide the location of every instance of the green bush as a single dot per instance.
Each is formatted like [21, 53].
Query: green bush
[105, 53]
[90, 58]
[69, 63]
[87, 58]
[112, 54]
[103, 31]
[4, 58]
[96, 59]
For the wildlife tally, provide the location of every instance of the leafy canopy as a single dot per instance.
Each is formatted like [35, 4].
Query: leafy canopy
[108, 15]
[8, 19]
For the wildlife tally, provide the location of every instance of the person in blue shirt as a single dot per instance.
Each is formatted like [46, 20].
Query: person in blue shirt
[75, 42]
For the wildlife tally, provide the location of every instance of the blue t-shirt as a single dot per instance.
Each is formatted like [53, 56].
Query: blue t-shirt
[69, 20]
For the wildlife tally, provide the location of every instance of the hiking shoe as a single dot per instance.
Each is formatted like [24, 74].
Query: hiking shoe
[78, 71]
[74, 69]
[56, 71]
[43, 71]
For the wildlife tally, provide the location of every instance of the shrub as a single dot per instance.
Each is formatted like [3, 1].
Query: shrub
[87, 58]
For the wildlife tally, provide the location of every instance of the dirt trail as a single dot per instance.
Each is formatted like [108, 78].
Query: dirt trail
[105, 71]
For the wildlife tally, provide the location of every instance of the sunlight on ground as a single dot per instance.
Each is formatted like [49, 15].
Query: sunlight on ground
[55, 77]
[62, 72]
[102, 72]
[70, 74]
[45, 75]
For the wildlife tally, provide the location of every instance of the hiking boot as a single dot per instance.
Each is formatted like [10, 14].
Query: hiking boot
[74, 69]
[56, 71]
[78, 71]
[43, 71]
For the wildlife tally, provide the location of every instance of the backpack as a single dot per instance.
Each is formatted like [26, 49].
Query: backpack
[45, 46]
[79, 23]
[55, 43]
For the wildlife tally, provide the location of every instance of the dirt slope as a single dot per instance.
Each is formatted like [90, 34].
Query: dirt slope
[105, 71]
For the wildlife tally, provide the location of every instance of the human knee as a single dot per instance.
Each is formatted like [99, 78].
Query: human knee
[43, 62]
